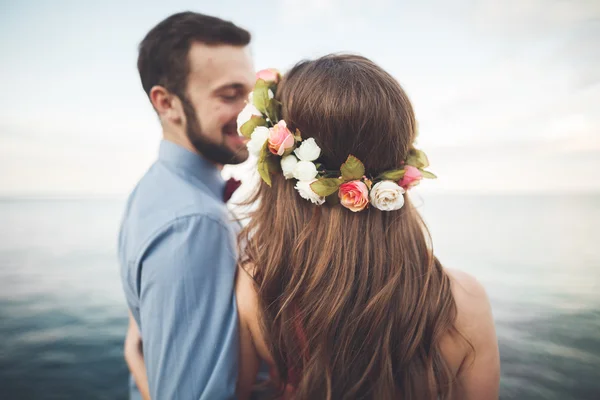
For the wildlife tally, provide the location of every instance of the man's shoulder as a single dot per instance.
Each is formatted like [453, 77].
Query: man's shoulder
[162, 190]
[162, 199]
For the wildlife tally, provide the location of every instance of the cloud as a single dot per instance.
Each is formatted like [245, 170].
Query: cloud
[296, 11]
[337, 16]
[503, 90]
[558, 34]
[533, 166]
[580, 54]
[520, 17]
[516, 99]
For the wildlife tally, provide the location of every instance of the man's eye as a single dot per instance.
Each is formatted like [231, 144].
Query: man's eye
[229, 97]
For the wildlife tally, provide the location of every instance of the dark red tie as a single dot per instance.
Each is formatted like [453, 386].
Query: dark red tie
[230, 186]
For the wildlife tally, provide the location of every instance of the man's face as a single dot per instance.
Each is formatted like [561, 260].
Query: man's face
[220, 79]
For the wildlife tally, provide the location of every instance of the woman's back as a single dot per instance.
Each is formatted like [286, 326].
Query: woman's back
[346, 298]
[475, 369]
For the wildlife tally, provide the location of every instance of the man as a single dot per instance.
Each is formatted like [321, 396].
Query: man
[176, 244]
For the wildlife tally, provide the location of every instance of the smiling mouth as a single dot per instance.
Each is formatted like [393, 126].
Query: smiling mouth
[233, 134]
[230, 129]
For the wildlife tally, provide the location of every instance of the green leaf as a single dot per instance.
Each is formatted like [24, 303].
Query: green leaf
[394, 175]
[428, 175]
[352, 169]
[251, 125]
[264, 164]
[260, 98]
[417, 159]
[273, 110]
[326, 186]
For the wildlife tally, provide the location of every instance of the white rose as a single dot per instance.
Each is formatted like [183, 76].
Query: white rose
[303, 187]
[246, 114]
[387, 196]
[308, 150]
[257, 140]
[305, 171]
[288, 163]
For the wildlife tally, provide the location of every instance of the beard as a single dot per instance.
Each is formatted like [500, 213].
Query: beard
[216, 152]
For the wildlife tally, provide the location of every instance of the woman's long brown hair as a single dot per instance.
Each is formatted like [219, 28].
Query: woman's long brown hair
[353, 305]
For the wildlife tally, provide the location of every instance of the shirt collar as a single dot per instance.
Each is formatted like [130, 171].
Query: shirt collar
[193, 165]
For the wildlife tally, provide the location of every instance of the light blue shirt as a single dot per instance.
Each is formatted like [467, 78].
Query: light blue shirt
[178, 258]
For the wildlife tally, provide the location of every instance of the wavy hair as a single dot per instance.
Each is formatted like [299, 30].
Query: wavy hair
[353, 305]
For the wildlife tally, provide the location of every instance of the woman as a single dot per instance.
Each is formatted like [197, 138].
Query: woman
[339, 291]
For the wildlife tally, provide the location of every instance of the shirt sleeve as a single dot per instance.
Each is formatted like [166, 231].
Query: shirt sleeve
[188, 312]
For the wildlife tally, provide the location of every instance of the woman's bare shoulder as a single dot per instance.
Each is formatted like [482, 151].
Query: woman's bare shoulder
[471, 303]
[245, 291]
[479, 371]
[470, 297]
[466, 289]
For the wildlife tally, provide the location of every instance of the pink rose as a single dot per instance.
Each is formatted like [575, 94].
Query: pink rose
[268, 75]
[354, 195]
[280, 138]
[412, 177]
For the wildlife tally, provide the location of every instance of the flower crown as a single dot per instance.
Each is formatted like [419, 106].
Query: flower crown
[280, 150]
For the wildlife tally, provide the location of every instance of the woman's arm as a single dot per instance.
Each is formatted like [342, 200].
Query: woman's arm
[247, 304]
[135, 358]
[479, 374]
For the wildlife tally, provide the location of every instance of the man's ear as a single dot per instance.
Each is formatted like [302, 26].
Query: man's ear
[167, 105]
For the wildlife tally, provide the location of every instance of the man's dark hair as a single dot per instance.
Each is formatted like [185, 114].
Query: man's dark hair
[163, 54]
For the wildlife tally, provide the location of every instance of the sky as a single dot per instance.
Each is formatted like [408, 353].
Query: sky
[507, 93]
